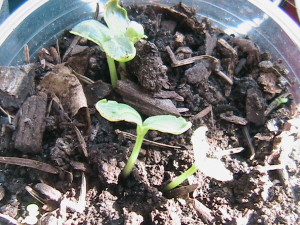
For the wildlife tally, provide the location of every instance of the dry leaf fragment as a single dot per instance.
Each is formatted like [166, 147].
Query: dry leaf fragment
[66, 87]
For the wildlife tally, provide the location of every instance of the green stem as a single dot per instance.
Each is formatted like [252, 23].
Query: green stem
[135, 152]
[178, 180]
[112, 71]
[123, 66]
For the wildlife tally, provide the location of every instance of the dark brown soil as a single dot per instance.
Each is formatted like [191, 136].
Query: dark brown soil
[229, 90]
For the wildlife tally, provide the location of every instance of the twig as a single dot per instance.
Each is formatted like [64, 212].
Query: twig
[70, 49]
[83, 78]
[133, 137]
[9, 219]
[202, 113]
[29, 163]
[176, 63]
[203, 211]
[26, 54]
[249, 141]
[58, 52]
[7, 114]
[96, 12]
[81, 141]
[229, 117]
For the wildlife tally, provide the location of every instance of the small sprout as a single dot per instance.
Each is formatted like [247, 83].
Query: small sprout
[117, 39]
[114, 111]
[281, 99]
[211, 167]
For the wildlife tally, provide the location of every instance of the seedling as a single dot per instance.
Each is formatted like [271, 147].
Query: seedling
[281, 99]
[117, 39]
[211, 167]
[114, 111]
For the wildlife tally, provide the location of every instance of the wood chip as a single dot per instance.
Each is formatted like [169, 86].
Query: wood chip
[142, 101]
[16, 83]
[30, 128]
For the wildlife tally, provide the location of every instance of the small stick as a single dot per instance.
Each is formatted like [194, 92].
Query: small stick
[35, 194]
[69, 50]
[9, 219]
[177, 63]
[202, 113]
[82, 78]
[203, 211]
[81, 141]
[233, 119]
[58, 52]
[133, 137]
[96, 12]
[249, 141]
[26, 53]
[7, 114]
[29, 163]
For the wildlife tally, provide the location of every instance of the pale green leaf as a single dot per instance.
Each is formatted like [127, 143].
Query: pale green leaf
[92, 30]
[135, 31]
[116, 18]
[114, 111]
[167, 124]
[215, 168]
[120, 49]
[200, 144]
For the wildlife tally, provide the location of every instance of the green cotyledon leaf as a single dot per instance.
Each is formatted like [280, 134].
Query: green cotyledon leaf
[116, 18]
[167, 124]
[120, 49]
[114, 111]
[92, 30]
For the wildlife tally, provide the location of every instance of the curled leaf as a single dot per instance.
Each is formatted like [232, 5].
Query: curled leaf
[116, 18]
[114, 111]
[135, 31]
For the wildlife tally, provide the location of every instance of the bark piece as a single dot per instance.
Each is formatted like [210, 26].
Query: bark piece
[16, 83]
[255, 106]
[31, 126]
[143, 102]
[270, 83]
[66, 87]
[249, 47]
[210, 43]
